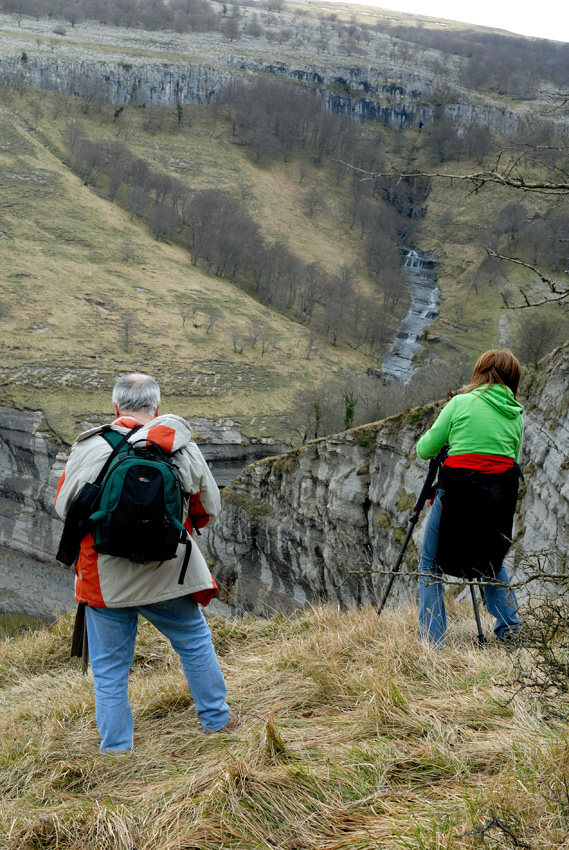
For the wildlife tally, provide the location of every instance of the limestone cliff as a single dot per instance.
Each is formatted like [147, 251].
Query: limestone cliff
[384, 94]
[321, 522]
[164, 68]
[31, 582]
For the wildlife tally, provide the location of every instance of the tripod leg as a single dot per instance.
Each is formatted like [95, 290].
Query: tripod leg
[481, 638]
[397, 564]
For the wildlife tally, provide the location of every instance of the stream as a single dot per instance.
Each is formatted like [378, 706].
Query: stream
[419, 270]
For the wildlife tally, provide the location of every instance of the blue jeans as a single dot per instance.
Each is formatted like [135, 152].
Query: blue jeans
[500, 598]
[112, 635]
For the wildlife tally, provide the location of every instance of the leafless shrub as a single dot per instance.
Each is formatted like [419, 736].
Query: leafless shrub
[314, 202]
[213, 316]
[239, 340]
[187, 310]
[544, 663]
[536, 337]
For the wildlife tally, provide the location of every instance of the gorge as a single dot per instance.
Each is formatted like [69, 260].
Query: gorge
[325, 520]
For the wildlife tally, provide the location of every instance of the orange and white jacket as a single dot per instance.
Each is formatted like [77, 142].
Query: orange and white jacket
[106, 581]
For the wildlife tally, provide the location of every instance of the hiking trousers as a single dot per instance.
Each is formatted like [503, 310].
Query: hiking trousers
[500, 598]
[112, 635]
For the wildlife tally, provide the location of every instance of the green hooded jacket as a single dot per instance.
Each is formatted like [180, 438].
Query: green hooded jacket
[484, 421]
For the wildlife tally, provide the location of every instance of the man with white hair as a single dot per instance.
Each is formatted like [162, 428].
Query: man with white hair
[116, 590]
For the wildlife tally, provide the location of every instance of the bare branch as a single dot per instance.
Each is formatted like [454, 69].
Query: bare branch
[508, 177]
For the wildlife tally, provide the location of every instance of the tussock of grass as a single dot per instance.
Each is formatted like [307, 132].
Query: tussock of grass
[353, 735]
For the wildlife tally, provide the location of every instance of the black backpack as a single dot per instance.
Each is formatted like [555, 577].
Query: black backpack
[140, 505]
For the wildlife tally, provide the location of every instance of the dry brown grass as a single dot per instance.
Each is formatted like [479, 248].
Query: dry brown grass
[353, 735]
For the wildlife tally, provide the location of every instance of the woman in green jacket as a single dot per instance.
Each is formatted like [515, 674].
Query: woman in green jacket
[484, 429]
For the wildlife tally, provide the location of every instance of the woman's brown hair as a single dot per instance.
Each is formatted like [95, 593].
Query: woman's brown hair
[496, 367]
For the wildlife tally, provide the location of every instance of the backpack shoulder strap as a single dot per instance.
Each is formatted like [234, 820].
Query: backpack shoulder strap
[116, 441]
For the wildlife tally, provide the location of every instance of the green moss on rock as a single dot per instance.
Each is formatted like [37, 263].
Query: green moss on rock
[253, 507]
[399, 535]
[414, 415]
[405, 501]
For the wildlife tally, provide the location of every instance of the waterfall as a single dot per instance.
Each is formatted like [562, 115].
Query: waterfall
[424, 307]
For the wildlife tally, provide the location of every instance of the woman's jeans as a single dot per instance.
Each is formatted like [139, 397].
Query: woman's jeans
[112, 634]
[500, 598]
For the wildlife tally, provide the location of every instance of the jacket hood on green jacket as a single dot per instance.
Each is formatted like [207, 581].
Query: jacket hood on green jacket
[501, 398]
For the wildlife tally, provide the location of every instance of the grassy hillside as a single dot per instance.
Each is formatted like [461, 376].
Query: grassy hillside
[79, 275]
[352, 735]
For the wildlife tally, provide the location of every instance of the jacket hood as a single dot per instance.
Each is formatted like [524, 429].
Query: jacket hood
[169, 432]
[501, 398]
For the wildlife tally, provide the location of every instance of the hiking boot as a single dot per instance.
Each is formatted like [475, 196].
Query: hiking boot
[511, 637]
[231, 724]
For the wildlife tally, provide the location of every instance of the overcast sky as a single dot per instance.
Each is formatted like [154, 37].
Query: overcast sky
[543, 19]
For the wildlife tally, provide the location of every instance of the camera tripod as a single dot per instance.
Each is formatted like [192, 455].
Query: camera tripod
[428, 490]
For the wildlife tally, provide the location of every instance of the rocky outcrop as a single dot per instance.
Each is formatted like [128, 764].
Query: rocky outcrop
[326, 521]
[31, 582]
[370, 93]
[225, 448]
[543, 530]
[323, 522]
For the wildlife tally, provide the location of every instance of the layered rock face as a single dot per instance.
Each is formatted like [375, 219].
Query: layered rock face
[327, 521]
[351, 90]
[544, 516]
[131, 66]
[324, 522]
[31, 582]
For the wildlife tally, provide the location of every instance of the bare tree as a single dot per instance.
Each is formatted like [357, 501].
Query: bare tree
[92, 91]
[268, 341]
[138, 201]
[163, 221]
[511, 222]
[230, 29]
[311, 345]
[213, 315]
[127, 328]
[187, 310]
[238, 340]
[313, 202]
[535, 337]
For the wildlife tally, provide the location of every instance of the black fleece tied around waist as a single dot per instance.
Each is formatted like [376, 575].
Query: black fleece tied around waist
[476, 521]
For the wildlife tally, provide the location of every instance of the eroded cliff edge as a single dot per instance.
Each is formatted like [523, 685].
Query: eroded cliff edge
[326, 521]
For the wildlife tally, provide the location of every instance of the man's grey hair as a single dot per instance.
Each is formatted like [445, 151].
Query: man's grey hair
[136, 393]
